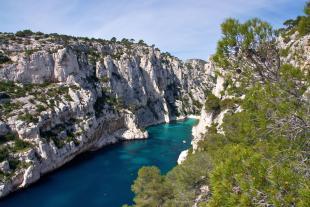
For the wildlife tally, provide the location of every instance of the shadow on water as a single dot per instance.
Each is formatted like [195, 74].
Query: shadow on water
[104, 177]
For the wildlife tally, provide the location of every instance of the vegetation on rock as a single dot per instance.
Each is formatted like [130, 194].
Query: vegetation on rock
[301, 25]
[4, 58]
[248, 49]
[262, 157]
[212, 103]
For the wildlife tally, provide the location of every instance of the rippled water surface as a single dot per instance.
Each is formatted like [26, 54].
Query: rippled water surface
[103, 178]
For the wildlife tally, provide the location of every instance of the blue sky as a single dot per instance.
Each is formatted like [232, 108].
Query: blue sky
[185, 28]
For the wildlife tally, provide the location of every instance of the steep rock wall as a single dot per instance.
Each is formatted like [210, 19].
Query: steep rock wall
[68, 95]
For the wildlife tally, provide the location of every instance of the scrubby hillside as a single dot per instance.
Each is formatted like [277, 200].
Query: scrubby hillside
[251, 146]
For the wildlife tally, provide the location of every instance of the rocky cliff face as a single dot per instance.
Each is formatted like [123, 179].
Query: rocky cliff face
[61, 96]
[294, 50]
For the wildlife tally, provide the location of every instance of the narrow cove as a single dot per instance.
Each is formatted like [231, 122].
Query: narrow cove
[103, 178]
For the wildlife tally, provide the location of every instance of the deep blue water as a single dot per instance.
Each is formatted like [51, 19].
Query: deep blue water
[103, 178]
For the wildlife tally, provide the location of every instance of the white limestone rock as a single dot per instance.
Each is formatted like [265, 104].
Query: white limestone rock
[66, 65]
[182, 157]
[5, 188]
[205, 120]
[5, 167]
[147, 87]
[30, 175]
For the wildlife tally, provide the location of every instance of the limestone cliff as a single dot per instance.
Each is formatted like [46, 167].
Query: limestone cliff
[61, 96]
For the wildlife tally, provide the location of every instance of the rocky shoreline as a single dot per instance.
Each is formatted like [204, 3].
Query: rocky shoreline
[32, 174]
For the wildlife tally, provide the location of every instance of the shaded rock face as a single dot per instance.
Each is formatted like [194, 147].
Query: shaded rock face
[72, 95]
[3, 128]
[5, 166]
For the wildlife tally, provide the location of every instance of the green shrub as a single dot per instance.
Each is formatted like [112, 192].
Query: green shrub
[127, 43]
[30, 52]
[48, 134]
[4, 58]
[68, 97]
[189, 66]
[141, 42]
[197, 104]
[113, 40]
[93, 56]
[307, 8]
[212, 103]
[29, 118]
[8, 137]
[303, 27]
[16, 91]
[14, 164]
[247, 42]
[117, 55]
[284, 52]
[104, 79]
[8, 107]
[52, 135]
[20, 145]
[150, 185]
[40, 108]
[32, 101]
[300, 24]
[4, 154]
[24, 33]
[228, 103]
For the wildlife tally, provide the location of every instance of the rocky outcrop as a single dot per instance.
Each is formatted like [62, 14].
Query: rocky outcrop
[67, 95]
[207, 118]
[198, 131]
[3, 128]
[295, 50]
[5, 166]
[182, 156]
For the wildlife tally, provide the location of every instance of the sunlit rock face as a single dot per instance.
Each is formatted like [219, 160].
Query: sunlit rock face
[69, 95]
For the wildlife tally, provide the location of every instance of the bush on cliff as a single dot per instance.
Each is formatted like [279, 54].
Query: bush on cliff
[248, 50]
[29, 118]
[261, 159]
[300, 24]
[4, 58]
[212, 103]
[303, 26]
[24, 33]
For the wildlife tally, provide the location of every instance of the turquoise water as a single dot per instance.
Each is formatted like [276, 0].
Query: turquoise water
[103, 178]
